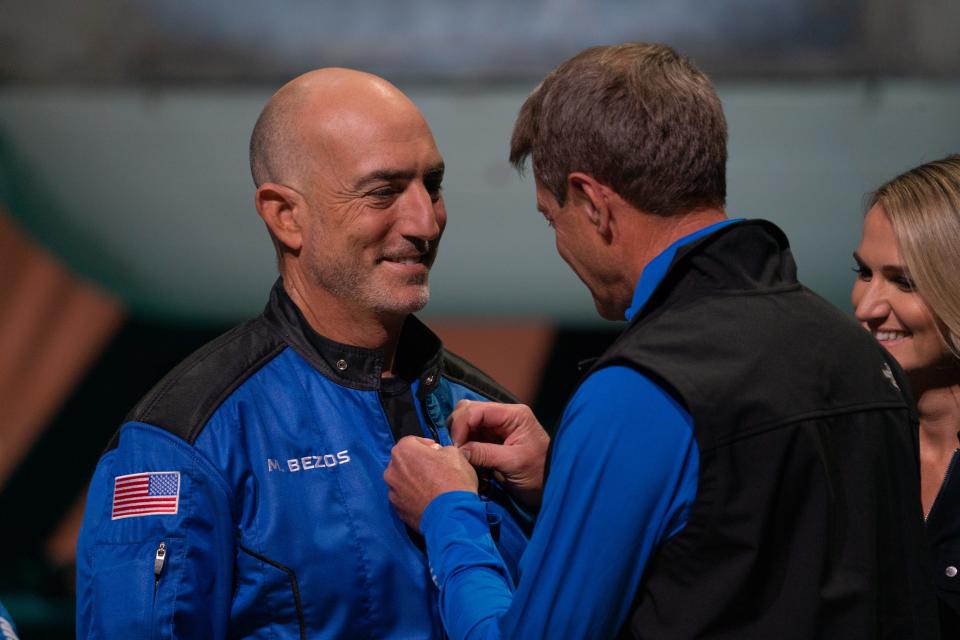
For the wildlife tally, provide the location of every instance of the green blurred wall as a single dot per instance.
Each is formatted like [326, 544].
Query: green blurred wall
[147, 190]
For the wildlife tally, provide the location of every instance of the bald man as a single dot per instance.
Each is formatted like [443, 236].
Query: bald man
[242, 496]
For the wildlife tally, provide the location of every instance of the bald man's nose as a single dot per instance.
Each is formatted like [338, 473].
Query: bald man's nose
[421, 216]
[873, 303]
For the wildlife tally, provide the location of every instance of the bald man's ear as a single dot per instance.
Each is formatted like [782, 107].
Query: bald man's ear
[281, 207]
[593, 198]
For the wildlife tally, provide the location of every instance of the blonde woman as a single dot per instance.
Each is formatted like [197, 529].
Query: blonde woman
[907, 294]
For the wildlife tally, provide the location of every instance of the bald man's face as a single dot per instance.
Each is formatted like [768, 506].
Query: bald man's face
[372, 182]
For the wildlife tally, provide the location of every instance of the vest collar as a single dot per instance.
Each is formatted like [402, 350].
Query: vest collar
[657, 268]
[764, 261]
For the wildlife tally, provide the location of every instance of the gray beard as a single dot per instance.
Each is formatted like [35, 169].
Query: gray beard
[347, 284]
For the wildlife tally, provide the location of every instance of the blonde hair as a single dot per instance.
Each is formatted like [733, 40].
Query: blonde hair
[923, 206]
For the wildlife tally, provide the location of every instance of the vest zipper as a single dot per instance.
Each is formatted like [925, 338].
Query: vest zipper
[946, 479]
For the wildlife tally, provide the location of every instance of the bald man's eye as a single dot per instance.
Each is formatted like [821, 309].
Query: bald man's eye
[434, 187]
[384, 193]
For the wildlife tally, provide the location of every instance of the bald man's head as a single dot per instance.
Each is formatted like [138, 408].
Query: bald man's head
[277, 149]
[349, 185]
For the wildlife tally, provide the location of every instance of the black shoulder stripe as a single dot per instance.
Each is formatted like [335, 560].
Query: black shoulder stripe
[461, 371]
[183, 401]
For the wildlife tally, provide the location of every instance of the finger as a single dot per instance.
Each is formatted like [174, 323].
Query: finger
[494, 417]
[458, 412]
[427, 442]
[389, 473]
[463, 403]
[486, 455]
[454, 453]
[415, 441]
[460, 407]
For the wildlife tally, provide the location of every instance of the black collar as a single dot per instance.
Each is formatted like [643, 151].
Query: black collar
[419, 352]
[746, 255]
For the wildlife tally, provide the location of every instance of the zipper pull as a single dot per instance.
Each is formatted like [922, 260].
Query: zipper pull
[159, 560]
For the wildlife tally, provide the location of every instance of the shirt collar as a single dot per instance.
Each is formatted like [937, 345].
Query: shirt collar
[419, 351]
[657, 268]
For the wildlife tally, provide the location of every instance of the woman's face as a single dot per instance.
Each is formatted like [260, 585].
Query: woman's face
[886, 303]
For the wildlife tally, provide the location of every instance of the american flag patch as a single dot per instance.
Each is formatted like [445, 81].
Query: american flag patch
[146, 494]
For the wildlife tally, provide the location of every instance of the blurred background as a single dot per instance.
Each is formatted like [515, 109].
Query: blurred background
[128, 237]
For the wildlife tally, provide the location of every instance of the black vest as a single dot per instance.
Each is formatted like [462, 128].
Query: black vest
[807, 520]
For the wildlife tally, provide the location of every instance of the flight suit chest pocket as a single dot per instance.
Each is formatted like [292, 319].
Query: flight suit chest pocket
[267, 595]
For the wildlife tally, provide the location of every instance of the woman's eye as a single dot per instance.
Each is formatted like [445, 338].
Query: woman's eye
[862, 272]
[904, 283]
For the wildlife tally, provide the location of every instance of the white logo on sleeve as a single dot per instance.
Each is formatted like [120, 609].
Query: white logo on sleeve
[309, 462]
[7, 629]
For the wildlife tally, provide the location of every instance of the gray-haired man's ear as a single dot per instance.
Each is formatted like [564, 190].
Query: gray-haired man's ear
[594, 199]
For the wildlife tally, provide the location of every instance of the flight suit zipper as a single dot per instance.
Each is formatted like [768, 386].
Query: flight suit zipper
[159, 559]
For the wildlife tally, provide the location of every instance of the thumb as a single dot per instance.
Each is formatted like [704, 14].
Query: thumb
[485, 455]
